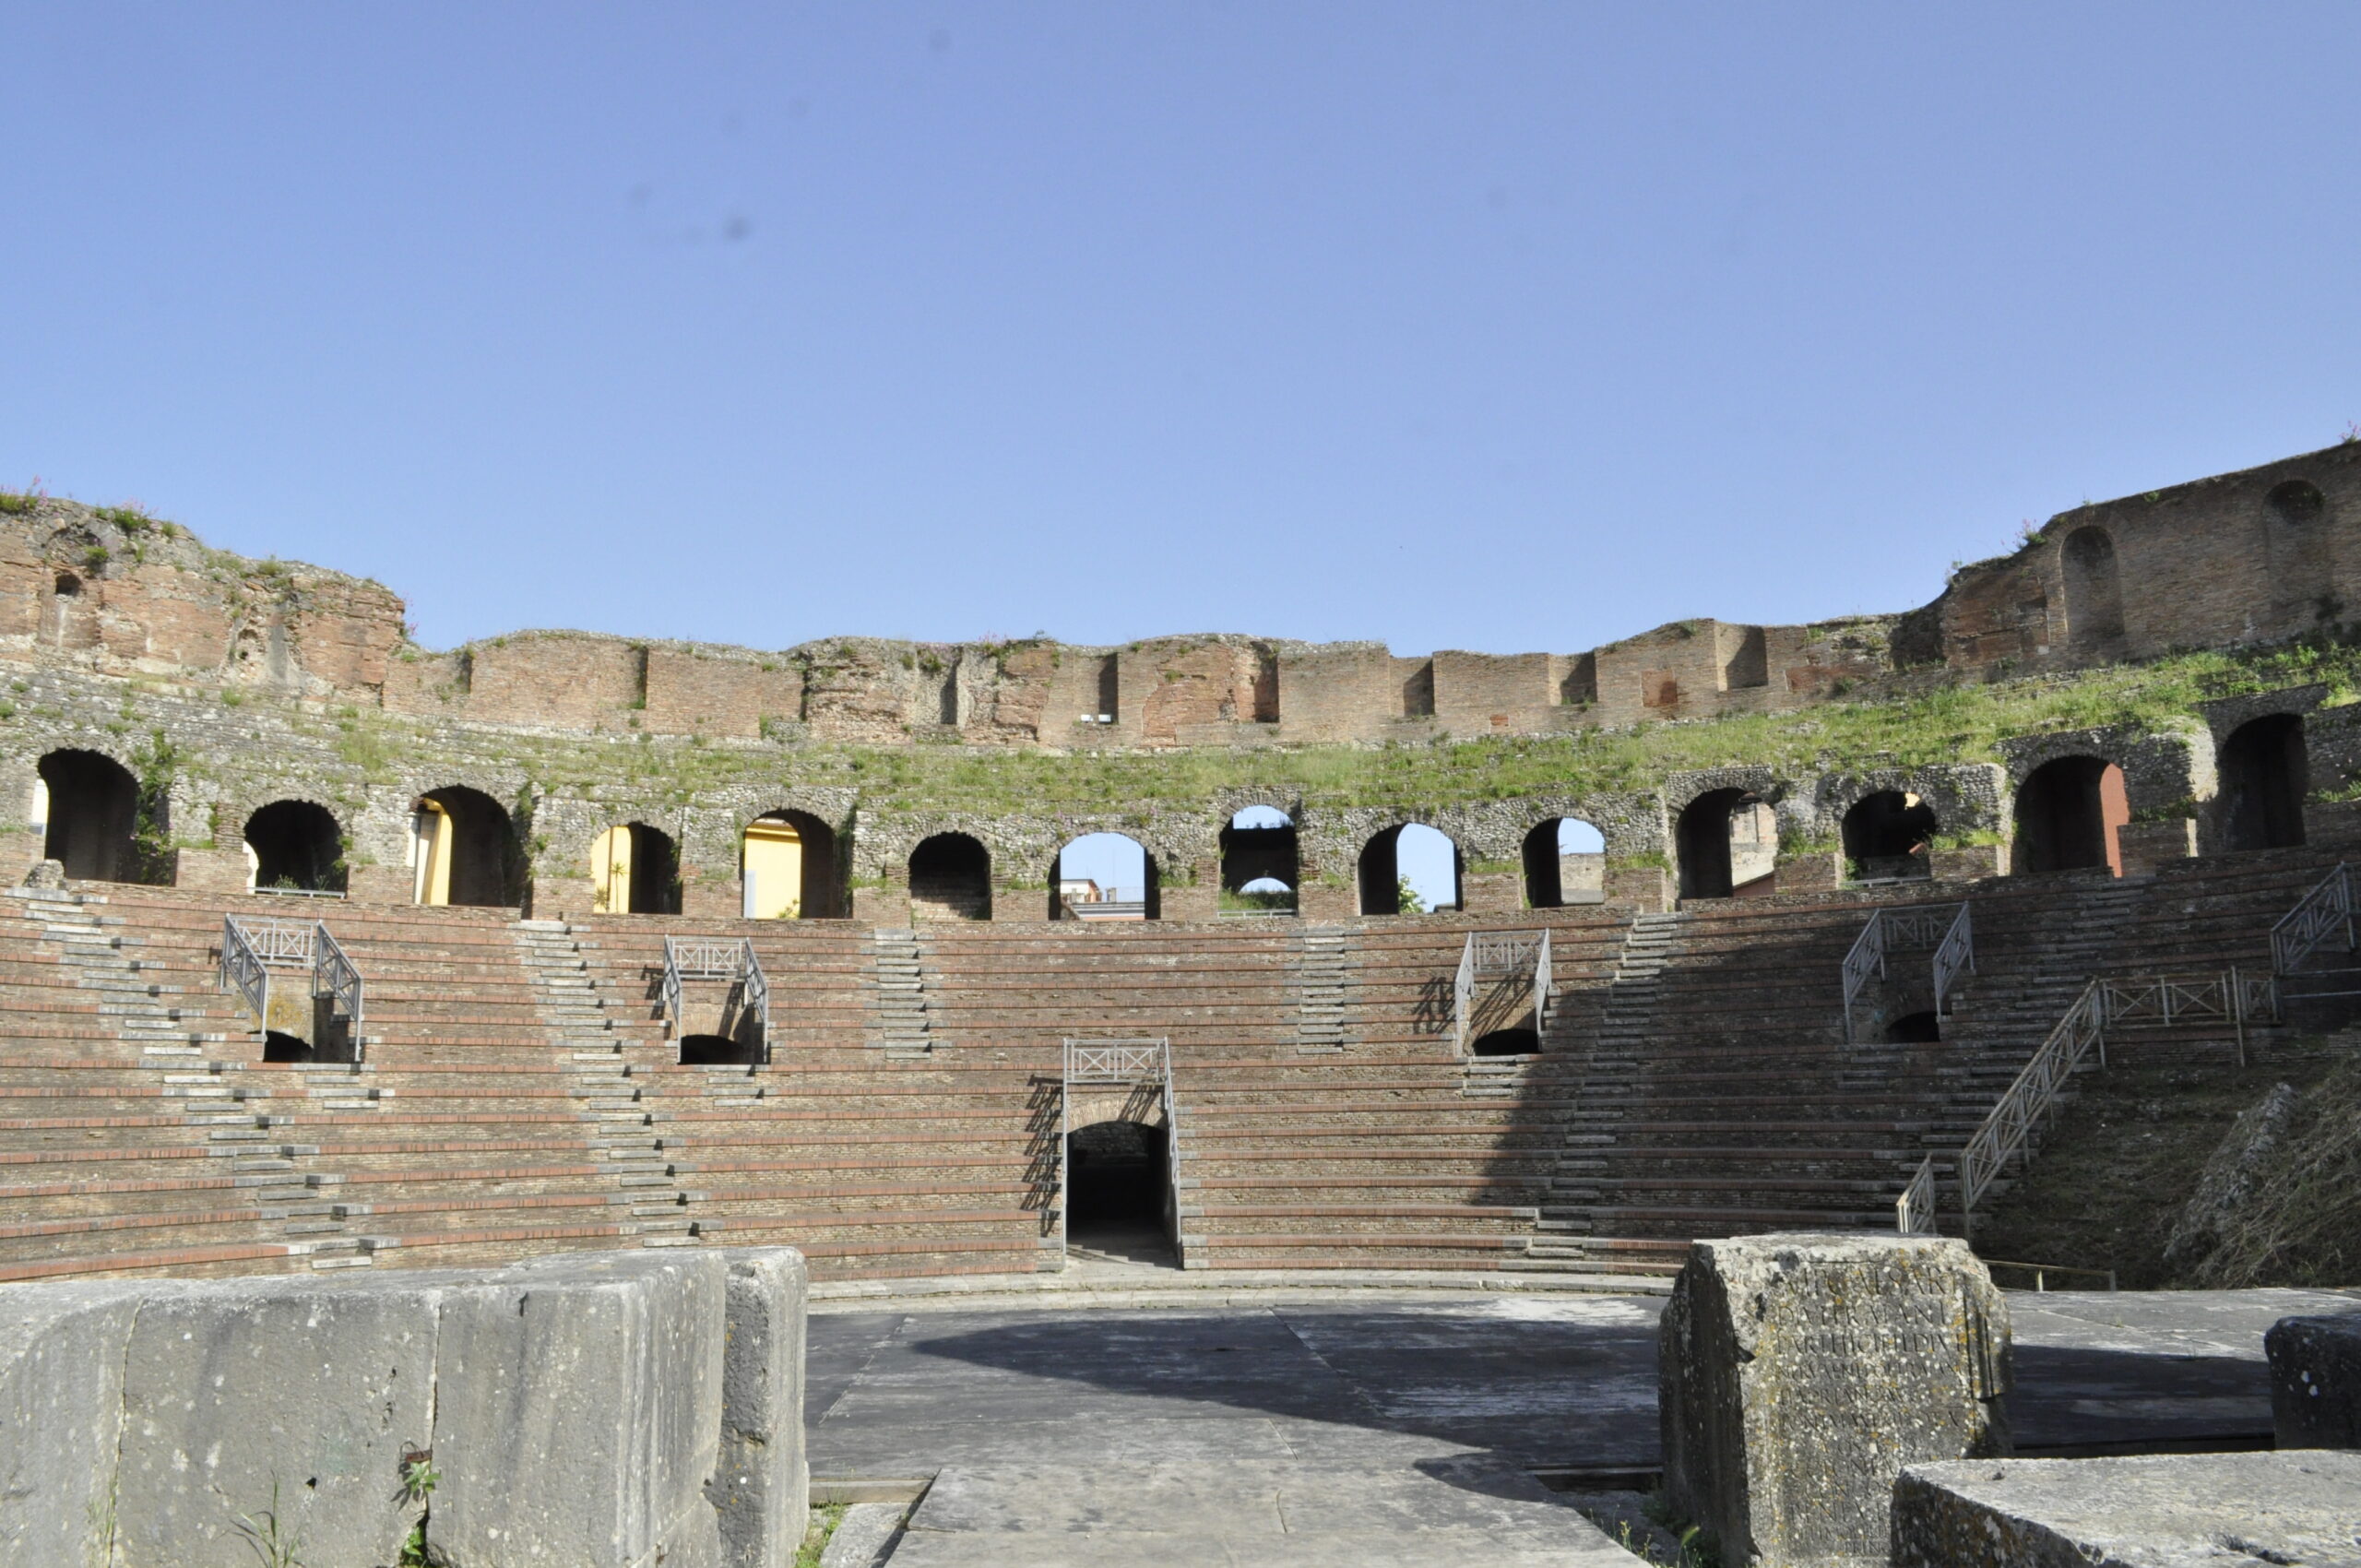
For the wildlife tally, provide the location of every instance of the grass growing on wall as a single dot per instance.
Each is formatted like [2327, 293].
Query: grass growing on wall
[1939, 724]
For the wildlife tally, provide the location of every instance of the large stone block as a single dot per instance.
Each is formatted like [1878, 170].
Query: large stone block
[761, 1483]
[2159, 1511]
[61, 1410]
[239, 1392]
[1800, 1372]
[2316, 1381]
[578, 1414]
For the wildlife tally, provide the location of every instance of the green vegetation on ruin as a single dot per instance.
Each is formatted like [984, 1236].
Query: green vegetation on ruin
[1925, 722]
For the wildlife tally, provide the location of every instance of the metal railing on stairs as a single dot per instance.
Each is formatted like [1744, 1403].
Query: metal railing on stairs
[1145, 1065]
[731, 960]
[2326, 909]
[251, 949]
[1499, 954]
[2143, 1001]
[1946, 928]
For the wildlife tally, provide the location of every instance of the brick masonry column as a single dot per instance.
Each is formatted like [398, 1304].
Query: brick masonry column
[381, 885]
[210, 871]
[1647, 889]
[1820, 873]
[20, 852]
[1318, 902]
[1971, 863]
[1200, 901]
[1491, 892]
[2147, 845]
[710, 897]
[889, 905]
[555, 898]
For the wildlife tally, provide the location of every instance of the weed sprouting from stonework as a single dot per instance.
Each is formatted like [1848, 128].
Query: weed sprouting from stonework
[271, 1541]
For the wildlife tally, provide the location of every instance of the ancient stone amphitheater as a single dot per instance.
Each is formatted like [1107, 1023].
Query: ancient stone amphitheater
[323, 950]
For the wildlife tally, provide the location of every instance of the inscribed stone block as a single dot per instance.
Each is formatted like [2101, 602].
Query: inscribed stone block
[1799, 1372]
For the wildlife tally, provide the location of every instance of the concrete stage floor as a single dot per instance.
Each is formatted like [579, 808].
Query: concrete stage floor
[1383, 1430]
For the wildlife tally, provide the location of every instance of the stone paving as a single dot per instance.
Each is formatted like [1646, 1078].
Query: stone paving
[1375, 1430]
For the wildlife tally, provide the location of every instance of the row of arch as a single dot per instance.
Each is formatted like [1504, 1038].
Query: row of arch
[464, 849]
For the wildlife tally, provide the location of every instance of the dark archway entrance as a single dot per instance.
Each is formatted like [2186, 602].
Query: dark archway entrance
[634, 870]
[1259, 863]
[1105, 876]
[2264, 775]
[1118, 1191]
[465, 850]
[298, 846]
[1729, 844]
[787, 864]
[93, 806]
[1410, 870]
[1914, 1028]
[1565, 863]
[951, 879]
[2068, 812]
[1889, 834]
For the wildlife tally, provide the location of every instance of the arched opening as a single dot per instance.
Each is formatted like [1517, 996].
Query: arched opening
[1729, 844]
[788, 862]
[1914, 1028]
[90, 806]
[951, 879]
[634, 870]
[1258, 865]
[2068, 812]
[1118, 1191]
[1506, 1043]
[295, 846]
[1889, 835]
[1104, 877]
[718, 1051]
[2264, 775]
[1410, 870]
[2094, 593]
[462, 849]
[1565, 863]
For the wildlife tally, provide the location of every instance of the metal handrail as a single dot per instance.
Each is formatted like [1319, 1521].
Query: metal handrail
[1891, 930]
[2168, 1002]
[243, 971]
[2029, 1100]
[335, 975]
[1914, 1211]
[756, 992]
[2299, 932]
[1462, 996]
[1954, 953]
[1542, 983]
[2040, 1271]
[1504, 953]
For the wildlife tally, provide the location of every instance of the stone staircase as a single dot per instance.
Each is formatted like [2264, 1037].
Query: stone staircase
[1320, 998]
[599, 1075]
[897, 1007]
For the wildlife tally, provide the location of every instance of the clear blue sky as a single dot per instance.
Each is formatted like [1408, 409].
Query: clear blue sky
[1485, 326]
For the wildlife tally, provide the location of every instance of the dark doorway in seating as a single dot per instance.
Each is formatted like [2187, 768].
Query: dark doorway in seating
[2264, 773]
[1914, 1028]
[1889, 835]
[1729, 844]
[2068, 812]
[1119, 1192]
[93, 809]
[720, 1050]
[297, 847]
[1506, 1043]
[1565, 863]
[278, 1047]
[951, 879]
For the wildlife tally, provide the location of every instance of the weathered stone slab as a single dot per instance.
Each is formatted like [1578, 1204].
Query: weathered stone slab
[1800, 1372]
[61, 1409]
[2316, 1381]
[761, 1486]
[2161, 1511]
[238, 1392]
[579, 1414]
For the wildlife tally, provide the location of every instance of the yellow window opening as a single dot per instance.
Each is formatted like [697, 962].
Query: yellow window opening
[774, 870]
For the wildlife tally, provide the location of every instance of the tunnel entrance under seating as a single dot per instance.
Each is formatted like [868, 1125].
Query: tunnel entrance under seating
[1914, 1028]
[2068, 814]
[2263, 773]
[1506, 1043]
[1119, 1192]
[295, 846]
[90, 805]
[720, 1050]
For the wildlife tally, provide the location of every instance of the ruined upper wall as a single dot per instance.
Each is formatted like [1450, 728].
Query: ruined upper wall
[2241, 558]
